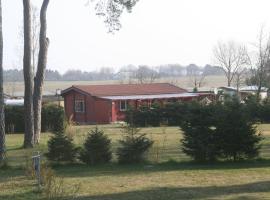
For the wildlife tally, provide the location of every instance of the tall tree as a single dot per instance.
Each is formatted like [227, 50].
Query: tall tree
[2, 114]
[39, 78]
[231, 57]
[111, 10]
[28, 77]
[35, 35]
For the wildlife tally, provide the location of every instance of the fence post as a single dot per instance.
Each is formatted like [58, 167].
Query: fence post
[36, 163]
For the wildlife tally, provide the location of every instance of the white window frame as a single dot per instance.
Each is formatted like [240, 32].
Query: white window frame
[83, 106]
[120, 105]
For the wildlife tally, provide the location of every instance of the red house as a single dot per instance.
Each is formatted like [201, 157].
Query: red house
[101, 104]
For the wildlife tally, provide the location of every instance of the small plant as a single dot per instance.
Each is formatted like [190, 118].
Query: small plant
[29, 167]
[61, 148]
[134, 145]
[97, 148]
[54, 187]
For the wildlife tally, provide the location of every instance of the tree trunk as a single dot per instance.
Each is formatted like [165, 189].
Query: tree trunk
[39, 78]
[2, 112]
[28, 77]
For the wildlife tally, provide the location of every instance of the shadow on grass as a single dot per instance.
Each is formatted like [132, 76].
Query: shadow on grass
[30, 195]
[81, 170]
[170, 193]
[9, 173]
[244, 191]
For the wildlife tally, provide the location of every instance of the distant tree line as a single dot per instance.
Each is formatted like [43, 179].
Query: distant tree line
[130, 73]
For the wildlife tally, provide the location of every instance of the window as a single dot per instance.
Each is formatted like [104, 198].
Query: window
[123, 105]
[79, 106]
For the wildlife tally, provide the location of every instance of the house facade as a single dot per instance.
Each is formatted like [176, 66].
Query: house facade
[102, 104]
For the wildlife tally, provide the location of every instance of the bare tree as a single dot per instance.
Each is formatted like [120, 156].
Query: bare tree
[28, 77]
[39, 78]
[239, 78]
[231, 57]
[145, 74]
[126, 74]
[198, 80]
[2, 112]
[262, 61]
[196, 76]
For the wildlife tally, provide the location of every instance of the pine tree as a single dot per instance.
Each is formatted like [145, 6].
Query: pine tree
[133, 146]
[61, 148]
[237, 132]
[199, 137]
[97, 148]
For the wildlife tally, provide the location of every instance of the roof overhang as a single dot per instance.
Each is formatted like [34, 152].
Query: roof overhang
[157, 96]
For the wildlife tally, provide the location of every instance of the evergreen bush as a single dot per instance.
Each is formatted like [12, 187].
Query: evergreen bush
[220, 131]
[61, 148]
[133, 146]
[238, 137]
[96, 149]
[200, 140]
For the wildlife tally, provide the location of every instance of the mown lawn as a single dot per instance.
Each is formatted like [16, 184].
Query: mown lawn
[164, 177]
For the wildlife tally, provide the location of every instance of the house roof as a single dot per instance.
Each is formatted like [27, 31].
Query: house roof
[127, 89]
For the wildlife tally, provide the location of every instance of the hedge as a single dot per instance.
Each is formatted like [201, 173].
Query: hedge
[52, 117]
[172, 114]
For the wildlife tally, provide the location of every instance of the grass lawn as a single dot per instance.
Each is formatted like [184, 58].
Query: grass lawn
[161, 178]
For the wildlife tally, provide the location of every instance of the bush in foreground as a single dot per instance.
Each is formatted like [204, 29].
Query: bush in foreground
[200, 139]
[97, 148]
[61, 148]
[133, 146]
[220, 131]
[238, 137]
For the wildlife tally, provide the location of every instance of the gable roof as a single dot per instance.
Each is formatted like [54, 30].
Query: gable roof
[126, 89]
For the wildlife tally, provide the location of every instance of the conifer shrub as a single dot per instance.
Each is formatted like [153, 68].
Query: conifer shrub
[61, 148]
[97, 148]
[220, 131]
[238, 136]
[133, 146]
[200, 140]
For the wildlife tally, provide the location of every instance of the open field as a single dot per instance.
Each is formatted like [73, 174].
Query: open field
[51, 86]
[160, 179]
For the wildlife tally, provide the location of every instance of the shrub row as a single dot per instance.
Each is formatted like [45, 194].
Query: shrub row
[97, 147]
[52, 118]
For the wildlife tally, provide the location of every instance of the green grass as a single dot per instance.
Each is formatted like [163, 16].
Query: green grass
[159, 179]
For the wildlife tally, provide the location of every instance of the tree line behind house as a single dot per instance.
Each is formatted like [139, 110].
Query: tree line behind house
[142, 73]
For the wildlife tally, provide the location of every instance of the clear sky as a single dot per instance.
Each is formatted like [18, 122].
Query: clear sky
[156, 32]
